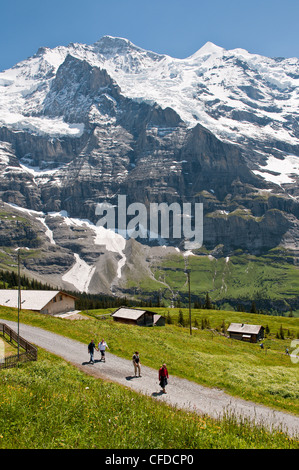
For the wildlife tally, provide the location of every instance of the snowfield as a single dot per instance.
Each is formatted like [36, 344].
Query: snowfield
[186, 85]
[238, 96]
[280, 171]
[81, 273]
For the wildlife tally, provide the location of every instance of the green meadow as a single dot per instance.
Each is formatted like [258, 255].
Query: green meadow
[241, 278]
[51, 404]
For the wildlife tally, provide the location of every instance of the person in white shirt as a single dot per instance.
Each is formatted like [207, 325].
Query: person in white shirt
[102, 347]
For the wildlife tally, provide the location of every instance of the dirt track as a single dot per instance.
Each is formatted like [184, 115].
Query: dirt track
[180, 392]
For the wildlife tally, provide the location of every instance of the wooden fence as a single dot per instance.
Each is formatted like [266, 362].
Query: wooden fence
[29, 352]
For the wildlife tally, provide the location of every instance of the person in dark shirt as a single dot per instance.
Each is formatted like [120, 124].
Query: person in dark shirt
[91, 348]
[136, 363]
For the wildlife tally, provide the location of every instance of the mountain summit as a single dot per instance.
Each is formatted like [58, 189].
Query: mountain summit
[208, 49]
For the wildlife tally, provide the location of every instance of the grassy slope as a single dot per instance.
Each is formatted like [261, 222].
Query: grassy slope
[50, 404]
[244, 277]
[267, 376]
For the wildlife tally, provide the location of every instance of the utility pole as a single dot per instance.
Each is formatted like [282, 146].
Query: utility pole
[188, 274]
[19, 302]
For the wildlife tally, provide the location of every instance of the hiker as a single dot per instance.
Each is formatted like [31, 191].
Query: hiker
[136, 363]
[163, 376]
[101, 347]
[91, 348]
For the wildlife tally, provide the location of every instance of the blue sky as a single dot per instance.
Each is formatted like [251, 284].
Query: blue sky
[174, 27]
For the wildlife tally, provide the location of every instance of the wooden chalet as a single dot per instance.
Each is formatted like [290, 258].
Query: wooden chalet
[42, 301]
[134, 316]
[245, 332]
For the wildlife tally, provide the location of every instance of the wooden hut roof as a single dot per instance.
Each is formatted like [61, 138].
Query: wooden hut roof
[244, 328]
[30, 299]
[130, 313]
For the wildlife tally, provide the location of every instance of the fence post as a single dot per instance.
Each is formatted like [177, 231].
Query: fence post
[30, 350]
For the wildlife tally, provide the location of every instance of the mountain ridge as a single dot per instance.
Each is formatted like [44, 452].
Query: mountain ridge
[80, 125]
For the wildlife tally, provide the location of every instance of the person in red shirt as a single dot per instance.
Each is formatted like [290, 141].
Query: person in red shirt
[163, 376]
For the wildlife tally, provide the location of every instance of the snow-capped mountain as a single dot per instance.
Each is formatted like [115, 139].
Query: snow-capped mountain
[82, 124]
[241, 97]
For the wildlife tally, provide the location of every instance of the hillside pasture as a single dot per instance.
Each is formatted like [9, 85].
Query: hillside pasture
[208, 357]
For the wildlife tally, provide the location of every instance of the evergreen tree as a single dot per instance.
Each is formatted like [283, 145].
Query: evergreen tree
[208, 303]
[205, 323]
[181, 320]
[168, 318]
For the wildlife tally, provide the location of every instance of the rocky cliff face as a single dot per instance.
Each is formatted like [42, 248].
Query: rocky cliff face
[81, 125]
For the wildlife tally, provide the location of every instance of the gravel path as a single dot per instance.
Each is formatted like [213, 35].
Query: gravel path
[180, 392]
